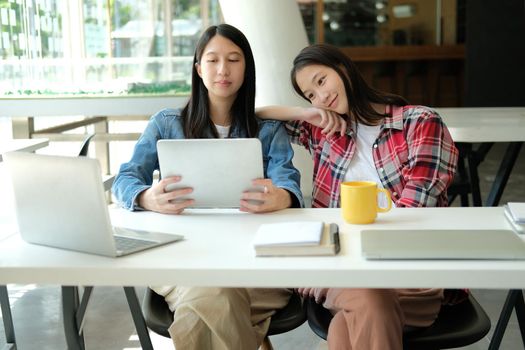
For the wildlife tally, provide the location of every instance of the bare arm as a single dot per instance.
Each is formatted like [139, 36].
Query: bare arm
[331, 122]
[282, 113]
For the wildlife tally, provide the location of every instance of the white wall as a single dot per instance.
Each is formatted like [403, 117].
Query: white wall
[276, 34]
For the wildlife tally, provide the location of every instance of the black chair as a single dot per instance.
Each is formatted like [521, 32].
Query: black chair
[455, 326]
[467, 179]
[85, 146]
[159, 317]
[461, 185]
[7, 319]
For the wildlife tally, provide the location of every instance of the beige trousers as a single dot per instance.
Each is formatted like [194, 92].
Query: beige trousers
[222, 318]
[373, 319]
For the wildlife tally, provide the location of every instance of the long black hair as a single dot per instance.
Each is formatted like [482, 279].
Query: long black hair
[196, 114]
[359, 94]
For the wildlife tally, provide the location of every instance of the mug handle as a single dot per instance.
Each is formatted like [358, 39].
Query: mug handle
[389, 201]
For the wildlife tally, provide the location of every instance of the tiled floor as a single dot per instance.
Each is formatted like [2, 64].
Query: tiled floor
[38, 323]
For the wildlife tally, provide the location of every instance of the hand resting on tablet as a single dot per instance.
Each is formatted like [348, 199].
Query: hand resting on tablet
[156, 198]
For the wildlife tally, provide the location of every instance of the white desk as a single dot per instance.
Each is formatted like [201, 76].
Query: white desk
[486, 126]
[494, 124]
[96, 110]
[22, 145]
[217, 251]
[127, 105]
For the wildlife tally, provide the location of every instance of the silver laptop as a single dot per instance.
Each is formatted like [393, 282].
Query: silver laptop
[60, 202]
[442, 244]
[218, 170]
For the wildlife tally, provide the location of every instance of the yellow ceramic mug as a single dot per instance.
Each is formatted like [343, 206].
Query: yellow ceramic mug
[359, 201]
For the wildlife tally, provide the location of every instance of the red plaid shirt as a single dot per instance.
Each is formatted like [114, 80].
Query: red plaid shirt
[414, 156]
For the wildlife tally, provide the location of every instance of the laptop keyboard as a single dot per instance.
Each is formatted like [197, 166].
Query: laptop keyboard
[126, 244]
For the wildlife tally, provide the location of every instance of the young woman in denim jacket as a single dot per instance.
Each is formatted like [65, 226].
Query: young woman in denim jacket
[222, 104]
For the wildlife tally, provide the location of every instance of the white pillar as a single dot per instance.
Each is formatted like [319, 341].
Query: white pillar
[276, 34]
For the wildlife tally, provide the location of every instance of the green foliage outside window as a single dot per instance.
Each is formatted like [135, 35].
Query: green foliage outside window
[94, 47]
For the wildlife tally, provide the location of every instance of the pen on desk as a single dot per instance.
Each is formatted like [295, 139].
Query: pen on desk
[334, 237]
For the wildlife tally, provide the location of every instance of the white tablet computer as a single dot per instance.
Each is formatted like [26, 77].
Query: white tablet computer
[218, 170]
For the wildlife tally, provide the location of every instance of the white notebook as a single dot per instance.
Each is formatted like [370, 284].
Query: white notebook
[300, 238]
[289, 233]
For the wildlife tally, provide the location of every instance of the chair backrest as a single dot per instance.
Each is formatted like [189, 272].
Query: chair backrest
[290, 317]
[85, 146]
[455, 326]
[157, 314]
[461, 185]
[159, 317]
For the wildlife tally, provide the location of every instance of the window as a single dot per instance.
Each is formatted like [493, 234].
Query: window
[100, 46]
[347, 23]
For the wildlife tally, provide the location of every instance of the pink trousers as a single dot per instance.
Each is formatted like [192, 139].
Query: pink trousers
[373, 319]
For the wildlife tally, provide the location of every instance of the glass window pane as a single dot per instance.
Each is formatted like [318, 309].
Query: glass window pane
[100, 46]
[383, 22]
[354, 23]
[308, 10]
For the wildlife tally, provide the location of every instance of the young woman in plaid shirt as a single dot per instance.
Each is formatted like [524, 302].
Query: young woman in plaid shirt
[355, 132]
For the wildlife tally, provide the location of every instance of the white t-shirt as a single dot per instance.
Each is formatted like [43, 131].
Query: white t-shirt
[362, 167]
[223, 131]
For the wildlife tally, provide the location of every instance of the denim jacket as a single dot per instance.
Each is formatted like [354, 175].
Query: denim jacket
[136, 175]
